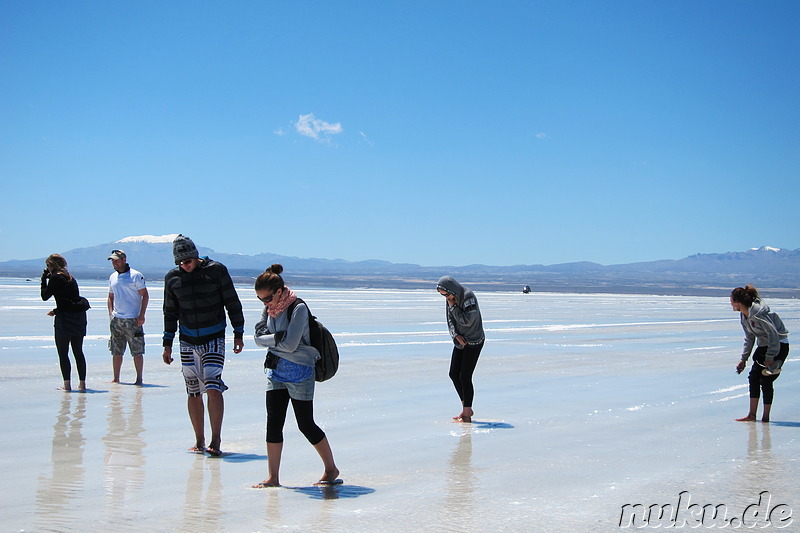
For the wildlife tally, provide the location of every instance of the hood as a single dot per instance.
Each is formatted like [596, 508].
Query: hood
[758, 309]
[449, 284]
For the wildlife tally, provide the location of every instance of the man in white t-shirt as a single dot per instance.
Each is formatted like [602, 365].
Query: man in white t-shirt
[127, 303]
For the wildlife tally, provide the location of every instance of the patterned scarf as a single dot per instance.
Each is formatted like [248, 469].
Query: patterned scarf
[286, 299]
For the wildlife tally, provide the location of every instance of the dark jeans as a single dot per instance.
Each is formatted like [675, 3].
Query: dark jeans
[462, 365]
[278, 404]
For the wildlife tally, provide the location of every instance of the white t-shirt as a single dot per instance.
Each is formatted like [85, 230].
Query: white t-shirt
[125, 287]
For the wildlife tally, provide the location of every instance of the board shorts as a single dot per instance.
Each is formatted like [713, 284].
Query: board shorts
[202, 366]
[124, 332]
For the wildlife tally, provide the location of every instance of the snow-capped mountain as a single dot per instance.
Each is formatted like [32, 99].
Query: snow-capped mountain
[152, 239]
[772, 269]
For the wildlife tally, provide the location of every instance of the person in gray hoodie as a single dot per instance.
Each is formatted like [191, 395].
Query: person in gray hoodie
[762, 325]
[466, 329]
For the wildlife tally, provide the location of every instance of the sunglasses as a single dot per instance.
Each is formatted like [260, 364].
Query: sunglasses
[267, 299]
[184, 262]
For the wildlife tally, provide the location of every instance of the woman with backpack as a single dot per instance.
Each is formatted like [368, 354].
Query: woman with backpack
[762, 325]
[70, 317]
[284, 331]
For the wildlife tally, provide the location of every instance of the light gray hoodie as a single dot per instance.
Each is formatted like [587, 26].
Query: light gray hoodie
[464, 318]
[293, 341]
[765, 326]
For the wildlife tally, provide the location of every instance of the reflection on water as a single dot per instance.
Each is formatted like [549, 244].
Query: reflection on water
[55, 494]
[202, 504]
[458, 507]
[320, 517]
[324, 517]
[762, 477]
[272, 509]
[124, 459]
[760, 471]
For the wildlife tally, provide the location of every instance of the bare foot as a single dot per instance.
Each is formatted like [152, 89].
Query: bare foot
[138, 383]
[214, 452]
[749, 418]
[267, 483]
[765, 420]
[200, 447]
[329, 478]
[115, 380]
[214, 449]
[465, 416]
[82, 386]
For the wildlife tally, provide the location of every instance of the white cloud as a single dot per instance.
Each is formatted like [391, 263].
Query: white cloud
[542, 135]
[279, 132]
[311, 126]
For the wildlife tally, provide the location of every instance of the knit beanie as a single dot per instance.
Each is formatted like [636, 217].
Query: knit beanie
[184, 248]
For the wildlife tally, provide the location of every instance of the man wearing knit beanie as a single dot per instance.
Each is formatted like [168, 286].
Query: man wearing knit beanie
[197, 292]
[183, 248]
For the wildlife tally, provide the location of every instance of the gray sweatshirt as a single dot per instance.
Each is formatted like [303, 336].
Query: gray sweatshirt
[464, 318]
[766, 327]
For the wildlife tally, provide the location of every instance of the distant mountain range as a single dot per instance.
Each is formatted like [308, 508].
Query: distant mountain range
[774, 271]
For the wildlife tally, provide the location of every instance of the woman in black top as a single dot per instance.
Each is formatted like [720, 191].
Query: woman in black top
[70, 317]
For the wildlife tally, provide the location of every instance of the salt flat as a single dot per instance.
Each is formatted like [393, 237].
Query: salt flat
[584, 404]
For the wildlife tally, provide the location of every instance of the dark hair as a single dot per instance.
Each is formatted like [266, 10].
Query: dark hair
[745, 295]
[57, 265]
[270, 279]
[56, 262]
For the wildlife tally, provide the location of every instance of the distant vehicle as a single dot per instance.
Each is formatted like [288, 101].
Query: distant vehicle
[526, 289]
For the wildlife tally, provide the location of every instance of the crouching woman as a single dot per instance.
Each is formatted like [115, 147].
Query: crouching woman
[766, 328]
[290, 373]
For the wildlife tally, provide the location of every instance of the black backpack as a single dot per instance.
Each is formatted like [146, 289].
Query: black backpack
[323, 341]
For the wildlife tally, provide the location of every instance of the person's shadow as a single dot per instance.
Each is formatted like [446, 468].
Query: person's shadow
[785, 424]
[235, 457]
[333, 492]
[491, 425]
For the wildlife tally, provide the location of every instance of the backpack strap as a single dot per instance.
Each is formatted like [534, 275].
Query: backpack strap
[290, 311]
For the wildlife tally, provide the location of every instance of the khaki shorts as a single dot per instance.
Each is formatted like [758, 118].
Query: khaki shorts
[124, 332]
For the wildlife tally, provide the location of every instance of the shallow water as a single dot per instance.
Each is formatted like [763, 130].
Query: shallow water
[584, 403]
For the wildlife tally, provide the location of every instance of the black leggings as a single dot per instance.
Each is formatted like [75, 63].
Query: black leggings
[462, 365]
[63, 342]
[278, 404]
[760, 382]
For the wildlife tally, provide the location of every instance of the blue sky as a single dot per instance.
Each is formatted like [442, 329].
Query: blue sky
[426, 132]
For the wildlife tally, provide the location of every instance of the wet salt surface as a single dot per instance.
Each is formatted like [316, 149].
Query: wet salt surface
[584, 403]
